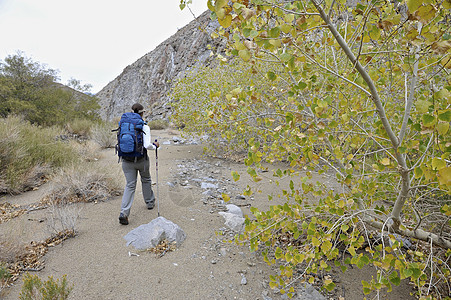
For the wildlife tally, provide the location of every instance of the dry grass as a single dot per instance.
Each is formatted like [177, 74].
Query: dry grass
[80, 127]
[158, 124]
[28, 154]
[10, 250]
[87, 150]
[63, 217]
[85, 182]
[103, 135]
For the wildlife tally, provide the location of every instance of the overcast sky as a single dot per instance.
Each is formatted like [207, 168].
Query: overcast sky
[89, 40]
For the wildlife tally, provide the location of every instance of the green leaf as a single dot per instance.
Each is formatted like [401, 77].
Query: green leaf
[271, 75]
[329, 285]
[445, 115]
[274, 32]
[394, 278]
[422, 106]
[235, 176]
[428, 120]
[285, 57]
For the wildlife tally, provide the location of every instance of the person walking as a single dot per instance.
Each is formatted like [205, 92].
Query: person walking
[131, 165]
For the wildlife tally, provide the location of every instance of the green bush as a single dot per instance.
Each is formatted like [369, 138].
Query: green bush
[28, 153]
[34, 288]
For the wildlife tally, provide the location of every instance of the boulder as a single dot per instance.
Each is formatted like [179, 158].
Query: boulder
[233, 221]
[233, 209]
[151, 234]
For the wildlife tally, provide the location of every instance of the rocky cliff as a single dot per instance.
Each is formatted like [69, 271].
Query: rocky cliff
[150, 78]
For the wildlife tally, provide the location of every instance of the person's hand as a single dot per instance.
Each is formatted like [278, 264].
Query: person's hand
[157, 144]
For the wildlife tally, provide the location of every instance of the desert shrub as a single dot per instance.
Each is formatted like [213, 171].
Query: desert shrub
[10, 250]
[34, 288]
[28, 153]
[63, 217]
[102, 134]
[84, 182]
[158, 124]
[88, 150]
[5, 275]
[80, 127]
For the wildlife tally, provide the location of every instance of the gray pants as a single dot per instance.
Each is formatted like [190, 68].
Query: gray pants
[131, 175]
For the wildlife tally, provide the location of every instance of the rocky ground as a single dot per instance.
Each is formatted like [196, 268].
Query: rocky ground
[206, 266]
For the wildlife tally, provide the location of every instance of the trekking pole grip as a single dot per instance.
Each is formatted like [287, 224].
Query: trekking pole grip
[156, 148]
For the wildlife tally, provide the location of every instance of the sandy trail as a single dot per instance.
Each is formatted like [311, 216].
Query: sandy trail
[97, 260]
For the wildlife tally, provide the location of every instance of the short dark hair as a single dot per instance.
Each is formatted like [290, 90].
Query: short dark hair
[138, 108]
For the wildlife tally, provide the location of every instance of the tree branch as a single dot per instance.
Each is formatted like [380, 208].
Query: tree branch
[409, 100]
[403, 170]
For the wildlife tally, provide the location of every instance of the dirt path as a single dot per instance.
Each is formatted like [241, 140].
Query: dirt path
[98, 263]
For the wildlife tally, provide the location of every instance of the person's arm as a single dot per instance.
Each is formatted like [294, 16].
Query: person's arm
[147, 139]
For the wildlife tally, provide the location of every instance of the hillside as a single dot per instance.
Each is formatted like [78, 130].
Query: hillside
[149, 79]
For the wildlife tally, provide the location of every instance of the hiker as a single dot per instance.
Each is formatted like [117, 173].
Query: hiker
[135, 161]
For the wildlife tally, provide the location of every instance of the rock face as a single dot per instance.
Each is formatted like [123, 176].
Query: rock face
[149, 79]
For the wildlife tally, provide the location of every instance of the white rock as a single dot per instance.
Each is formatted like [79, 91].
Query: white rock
[150, 235]
[207, 185]
[233, 209]
[233, 221]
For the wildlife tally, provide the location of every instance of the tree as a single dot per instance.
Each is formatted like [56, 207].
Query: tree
[361, 90]
[30, 89]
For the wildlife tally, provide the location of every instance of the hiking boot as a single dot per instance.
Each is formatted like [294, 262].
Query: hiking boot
[150, 205]
[123, 219]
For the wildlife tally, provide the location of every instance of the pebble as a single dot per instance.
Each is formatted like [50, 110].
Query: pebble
[243, 279]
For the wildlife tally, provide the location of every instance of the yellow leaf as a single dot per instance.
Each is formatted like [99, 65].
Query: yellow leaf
[221, 13]
[442, 128]
[226, 21]
[239, 46]
[422, 106]
[289, 18]
[445, 176]
[315, 242]
[220, 4]
[446, 63]
[413, 5]
[225, 197]
[285, 28]
[275, 43]
[426, 12]
[385, 161]
[244, 54]
[438, 164]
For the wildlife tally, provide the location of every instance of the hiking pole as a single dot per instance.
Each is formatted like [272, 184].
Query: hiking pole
[158, 189]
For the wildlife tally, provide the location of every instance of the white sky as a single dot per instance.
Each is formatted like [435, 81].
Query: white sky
[89, 40]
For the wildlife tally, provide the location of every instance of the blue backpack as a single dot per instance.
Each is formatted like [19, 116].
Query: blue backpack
[130, 137]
